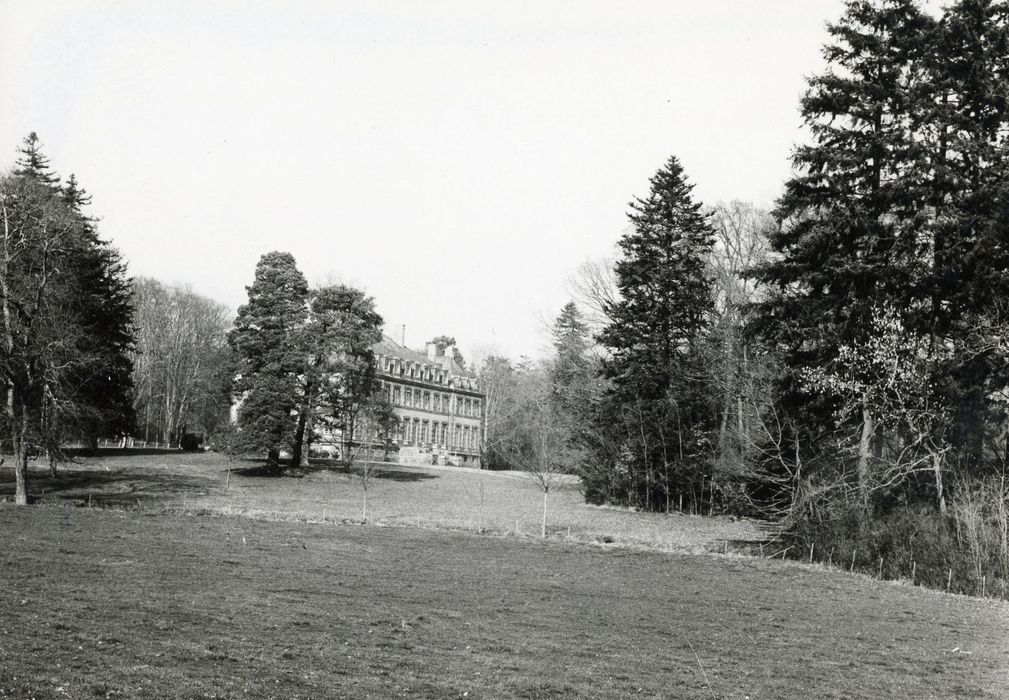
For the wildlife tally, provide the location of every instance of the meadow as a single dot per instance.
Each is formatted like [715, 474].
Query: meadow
[170, 586]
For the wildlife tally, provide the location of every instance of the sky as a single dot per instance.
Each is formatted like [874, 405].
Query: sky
[458, 160]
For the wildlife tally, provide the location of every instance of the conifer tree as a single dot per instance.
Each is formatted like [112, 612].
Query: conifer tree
[571, 368]
[68, 313]
[657, 408]
[852, 215]
[665, 292]
[103, 303]
[33, 164]
[271, 354]
[966, 262]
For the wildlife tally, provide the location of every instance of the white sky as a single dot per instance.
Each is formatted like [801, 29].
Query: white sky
[458, 160]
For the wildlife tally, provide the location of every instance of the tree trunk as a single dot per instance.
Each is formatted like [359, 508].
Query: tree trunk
[865, 454]
[52, 463]
[299, 440]
[543, 525]
[940, 493]
[273, 458]
[19, 435]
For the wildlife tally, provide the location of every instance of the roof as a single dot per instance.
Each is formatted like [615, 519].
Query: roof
[388, 346]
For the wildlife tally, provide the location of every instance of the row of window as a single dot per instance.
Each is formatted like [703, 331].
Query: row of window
[418, 431]
[432, 401]
[422, 373]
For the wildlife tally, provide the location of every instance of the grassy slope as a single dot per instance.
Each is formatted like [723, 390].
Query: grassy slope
[103, 603]
[448, 498]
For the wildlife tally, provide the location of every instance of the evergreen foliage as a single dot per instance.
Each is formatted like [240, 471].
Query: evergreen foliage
[653, 425]
[66, 317]
[270, 351]
[571, 370]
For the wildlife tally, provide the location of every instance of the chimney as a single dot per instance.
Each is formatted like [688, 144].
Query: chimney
[432, 351]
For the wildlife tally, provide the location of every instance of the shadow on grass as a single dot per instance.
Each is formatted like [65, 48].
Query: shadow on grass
[105, 487]
[405, 476]
[108, 452]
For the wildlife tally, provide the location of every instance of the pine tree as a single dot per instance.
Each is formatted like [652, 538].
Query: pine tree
[267, 340]
[851, 218]
[68, 307]
[103, 302]
[657, 401]
[966, 266]
[570, 373]
[665, 293]
[33, 164]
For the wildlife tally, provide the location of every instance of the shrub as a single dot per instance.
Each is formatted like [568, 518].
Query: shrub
[190, 441]
[965, 549]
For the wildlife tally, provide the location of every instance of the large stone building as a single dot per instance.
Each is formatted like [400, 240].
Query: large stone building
[439, 405]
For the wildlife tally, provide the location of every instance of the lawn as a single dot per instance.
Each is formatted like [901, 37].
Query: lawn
[100, 603]
[268, 589]
[452, 498]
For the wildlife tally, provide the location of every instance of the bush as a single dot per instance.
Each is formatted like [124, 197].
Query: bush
[964, 549]
[190, 441]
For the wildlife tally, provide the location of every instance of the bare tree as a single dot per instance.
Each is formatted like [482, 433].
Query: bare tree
[181, 342]
[37, 234]
[594, 288]
[540, 442]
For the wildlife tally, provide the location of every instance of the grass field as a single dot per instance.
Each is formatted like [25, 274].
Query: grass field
[425, 497]
[151, 602]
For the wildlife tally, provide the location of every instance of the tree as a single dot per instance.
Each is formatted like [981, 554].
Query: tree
[271, 356]
[443, 342]
[103, 302]
[966, 266]
[181, 361]
[38, 335]
[66, 318]
[654, 340]
[892, 375]
[497, 379]
[340, 387]
[570, 373]
[665, 292]
[594, 289]
[736, 365]
[852, 215]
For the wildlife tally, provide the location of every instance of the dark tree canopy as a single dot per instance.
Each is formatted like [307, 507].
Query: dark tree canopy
[652, 425]
[67, 317]
[266, 340]
[665, 292]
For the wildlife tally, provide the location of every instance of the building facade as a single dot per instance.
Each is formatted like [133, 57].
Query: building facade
[438, 403]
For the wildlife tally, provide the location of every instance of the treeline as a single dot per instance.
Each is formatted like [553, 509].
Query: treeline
[86, 352]
[840, 363]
